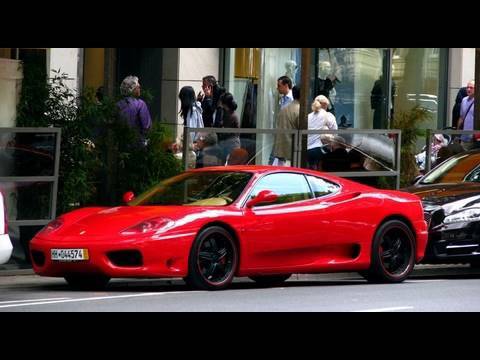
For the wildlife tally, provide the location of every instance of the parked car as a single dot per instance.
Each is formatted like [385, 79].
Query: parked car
[211, 224]
[451, 198]
[5, 243]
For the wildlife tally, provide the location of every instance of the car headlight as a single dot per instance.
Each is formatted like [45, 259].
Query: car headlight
[148, 226]
[52, 226]
[463, 216]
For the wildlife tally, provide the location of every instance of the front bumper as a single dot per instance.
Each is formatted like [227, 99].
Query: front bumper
[159, 257]
[6, 248]
[454, 243]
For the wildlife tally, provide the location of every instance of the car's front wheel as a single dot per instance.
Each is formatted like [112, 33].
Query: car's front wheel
[393, 253]
[87, 282]
[213, 259]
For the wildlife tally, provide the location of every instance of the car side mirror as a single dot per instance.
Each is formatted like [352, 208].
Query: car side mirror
[128, 196]
[263, 197]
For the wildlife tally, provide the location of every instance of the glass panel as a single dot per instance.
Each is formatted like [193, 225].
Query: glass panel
[28, 200]
[218, 149]
[288, 187]
[355, 82]
[27, 154]
[251, 75]
[416, 72]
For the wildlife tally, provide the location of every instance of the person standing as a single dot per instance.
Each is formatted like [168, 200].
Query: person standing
[318, 119]
[288, 118]
[284, 88]
[134, 110]
[229, 142]
[462, 92]
[190, 111]
[465, 121]
[209, 99]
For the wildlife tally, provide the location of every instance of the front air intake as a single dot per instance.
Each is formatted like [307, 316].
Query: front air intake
[126, 258]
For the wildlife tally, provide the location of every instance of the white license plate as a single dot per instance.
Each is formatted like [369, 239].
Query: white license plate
[69, 254]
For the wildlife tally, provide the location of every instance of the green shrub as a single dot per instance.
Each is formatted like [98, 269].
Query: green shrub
[99, 160]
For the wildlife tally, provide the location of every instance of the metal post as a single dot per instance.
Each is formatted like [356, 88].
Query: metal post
[186, 141]
[428, 151]
[476, 113]
[304, 101]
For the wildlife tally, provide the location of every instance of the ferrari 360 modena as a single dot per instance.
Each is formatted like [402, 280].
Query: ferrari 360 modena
[210, 225]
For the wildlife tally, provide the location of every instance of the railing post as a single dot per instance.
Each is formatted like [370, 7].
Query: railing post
[428, 152]
[185, 145]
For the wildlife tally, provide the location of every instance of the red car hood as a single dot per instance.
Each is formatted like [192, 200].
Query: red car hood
[111, 221]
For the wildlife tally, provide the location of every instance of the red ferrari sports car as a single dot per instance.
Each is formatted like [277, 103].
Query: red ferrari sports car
[211, 224]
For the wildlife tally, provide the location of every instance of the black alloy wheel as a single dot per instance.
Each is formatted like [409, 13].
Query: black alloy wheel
[213, 259]
[393, 253]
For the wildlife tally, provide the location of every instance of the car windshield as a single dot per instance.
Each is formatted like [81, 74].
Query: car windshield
[463, 167]
[206, 188]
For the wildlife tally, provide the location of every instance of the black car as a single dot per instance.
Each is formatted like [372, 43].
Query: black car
[451, 198]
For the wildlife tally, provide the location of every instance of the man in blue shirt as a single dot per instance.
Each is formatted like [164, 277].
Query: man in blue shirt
[284, 87]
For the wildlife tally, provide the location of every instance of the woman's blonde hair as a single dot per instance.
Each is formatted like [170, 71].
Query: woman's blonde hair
[317, 103]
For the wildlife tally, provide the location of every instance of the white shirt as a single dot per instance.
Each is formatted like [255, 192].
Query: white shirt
[321, 120]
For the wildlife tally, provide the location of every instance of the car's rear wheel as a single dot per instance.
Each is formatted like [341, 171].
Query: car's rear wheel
[87, 282]
[270, 280]
[213, 259]
[393, 253]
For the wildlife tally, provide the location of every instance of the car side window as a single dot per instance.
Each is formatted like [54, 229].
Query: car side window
[321, 187]
[288, 186]
[474, 176]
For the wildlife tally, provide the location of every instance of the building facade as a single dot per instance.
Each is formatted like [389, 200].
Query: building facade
[366, 86]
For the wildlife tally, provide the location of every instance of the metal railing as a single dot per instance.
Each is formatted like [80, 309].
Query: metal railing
[395, 135]
[297, 146]
[14, 178]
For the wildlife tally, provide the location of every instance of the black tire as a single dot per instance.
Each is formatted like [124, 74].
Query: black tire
[475, 264]
[213, 260]
[393, 253]
[87, 282]
[270, 280]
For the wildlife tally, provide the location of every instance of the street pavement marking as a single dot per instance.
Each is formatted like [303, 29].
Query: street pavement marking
[387, 309]
[93, 299]
[20, 301]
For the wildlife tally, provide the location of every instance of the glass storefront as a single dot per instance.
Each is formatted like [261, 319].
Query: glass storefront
[365, 86]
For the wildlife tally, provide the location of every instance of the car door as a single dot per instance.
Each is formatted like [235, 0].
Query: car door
[288, 233]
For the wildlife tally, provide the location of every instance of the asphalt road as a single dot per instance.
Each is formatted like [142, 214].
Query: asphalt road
[429, 289]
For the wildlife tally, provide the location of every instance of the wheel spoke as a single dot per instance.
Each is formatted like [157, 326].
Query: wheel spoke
[206, 256]
[397, 244]
[221, 254]
[210, 271]
[387, 253]
[213, 243]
